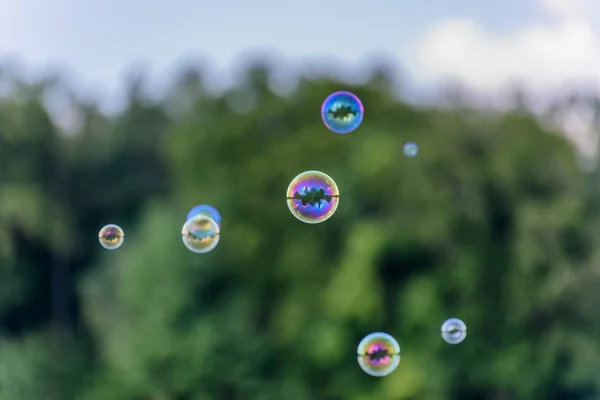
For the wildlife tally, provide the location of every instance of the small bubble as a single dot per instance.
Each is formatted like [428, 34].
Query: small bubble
[313, 197]
[111, 237]
[378, 354]
[206, 210]
[410, 149]
[342, 112]
[454, 331]
[200, 234]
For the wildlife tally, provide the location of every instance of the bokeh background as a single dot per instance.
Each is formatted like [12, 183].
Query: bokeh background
[108, 115]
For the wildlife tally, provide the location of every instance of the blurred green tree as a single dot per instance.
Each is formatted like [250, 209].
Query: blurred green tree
[493, 223]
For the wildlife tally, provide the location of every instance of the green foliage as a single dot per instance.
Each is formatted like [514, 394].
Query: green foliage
[493, 223]
[43, 366]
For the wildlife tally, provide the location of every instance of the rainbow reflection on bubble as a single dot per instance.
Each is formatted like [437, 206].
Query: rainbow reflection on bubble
[313, 197]
[378, 354]
[206, 210]
[342, 112]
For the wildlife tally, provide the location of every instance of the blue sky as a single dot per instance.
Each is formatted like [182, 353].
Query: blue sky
[484, 44]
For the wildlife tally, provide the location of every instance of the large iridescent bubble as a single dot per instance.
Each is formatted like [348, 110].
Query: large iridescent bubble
[378, 354]
[313, 197]
[342, 112]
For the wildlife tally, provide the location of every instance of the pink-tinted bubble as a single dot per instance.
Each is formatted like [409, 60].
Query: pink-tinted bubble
[378, 354]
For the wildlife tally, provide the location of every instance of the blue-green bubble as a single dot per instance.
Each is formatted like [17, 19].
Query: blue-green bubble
[342, 112]
[206, 210]
[454, 331]
[410, 149]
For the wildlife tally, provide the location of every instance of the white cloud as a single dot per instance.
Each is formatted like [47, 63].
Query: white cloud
[570, 8]
[547, 59]
[541, 56]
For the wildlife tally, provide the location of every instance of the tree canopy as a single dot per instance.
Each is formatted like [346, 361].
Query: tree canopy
[493, 222]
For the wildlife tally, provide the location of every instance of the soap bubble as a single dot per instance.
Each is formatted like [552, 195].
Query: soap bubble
[410, 149]
[313, 197]
[111, 237]
[342, 112]
[454, 331]
[200, 234]
[206, 210]
[378, 354]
